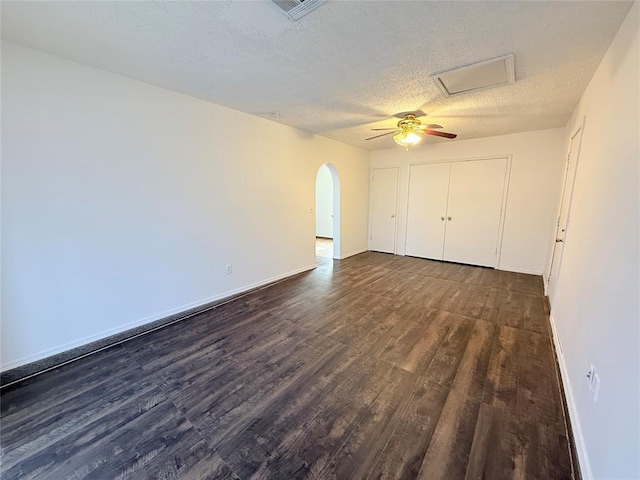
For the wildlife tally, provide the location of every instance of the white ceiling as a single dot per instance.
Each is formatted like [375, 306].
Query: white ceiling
[345, 67]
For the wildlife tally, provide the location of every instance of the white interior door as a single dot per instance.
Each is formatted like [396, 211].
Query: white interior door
[427, 210]
[563, 218]
[476, 190]
[384, 200]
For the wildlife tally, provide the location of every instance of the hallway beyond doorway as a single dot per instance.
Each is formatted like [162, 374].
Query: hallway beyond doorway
[324, 247]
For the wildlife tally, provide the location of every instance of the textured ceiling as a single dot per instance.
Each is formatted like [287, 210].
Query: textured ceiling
[345, 67]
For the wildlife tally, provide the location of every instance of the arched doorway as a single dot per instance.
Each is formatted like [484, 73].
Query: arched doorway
[328, 211]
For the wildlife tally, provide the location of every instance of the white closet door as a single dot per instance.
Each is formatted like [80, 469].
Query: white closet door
[384, 199]
[426, 215]
[473, 214]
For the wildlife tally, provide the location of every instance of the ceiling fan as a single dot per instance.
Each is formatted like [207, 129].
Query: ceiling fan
[410, 130]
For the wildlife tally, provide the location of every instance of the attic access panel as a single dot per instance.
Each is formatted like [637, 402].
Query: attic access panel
[477, 76]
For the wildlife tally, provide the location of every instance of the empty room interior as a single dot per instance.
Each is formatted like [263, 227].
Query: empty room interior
[320, 239]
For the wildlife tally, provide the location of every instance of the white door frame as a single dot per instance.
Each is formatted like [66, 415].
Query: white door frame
[566, 198]
[335, 178]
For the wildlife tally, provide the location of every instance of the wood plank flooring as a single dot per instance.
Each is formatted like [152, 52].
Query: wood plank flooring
[373, 367]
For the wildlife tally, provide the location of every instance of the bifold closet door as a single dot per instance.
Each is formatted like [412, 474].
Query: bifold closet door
[427, 210]
[473, 214]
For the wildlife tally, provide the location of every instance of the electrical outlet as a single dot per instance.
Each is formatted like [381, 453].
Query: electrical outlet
[229, 268]
[590, 375]
[594, 382]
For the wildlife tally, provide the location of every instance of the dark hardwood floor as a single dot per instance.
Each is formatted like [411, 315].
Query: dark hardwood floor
[376, 366]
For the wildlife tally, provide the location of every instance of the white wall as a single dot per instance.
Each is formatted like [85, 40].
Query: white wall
[535, 179]
[595, 309]
[123, 202]
[324, 203]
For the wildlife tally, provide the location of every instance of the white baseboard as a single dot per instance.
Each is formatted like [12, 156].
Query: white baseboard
[151, 318]
[574, 418]
[520, 270]
[351, 254]
[545, 284]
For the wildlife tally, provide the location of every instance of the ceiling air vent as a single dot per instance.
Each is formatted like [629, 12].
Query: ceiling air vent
[478, 76]
[294, 9]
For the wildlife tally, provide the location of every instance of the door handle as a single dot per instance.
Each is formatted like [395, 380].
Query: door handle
[393, 216]
[559, 240]
[442, 218]
[449, 218]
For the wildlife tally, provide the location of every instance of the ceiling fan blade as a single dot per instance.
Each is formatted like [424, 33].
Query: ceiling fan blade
[388, 133]
[440, 134]
[392, 128]
[416, 113]
[429, 126]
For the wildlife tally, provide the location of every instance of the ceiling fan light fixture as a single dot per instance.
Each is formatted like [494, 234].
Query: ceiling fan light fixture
[410, 131]
[407, 138]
